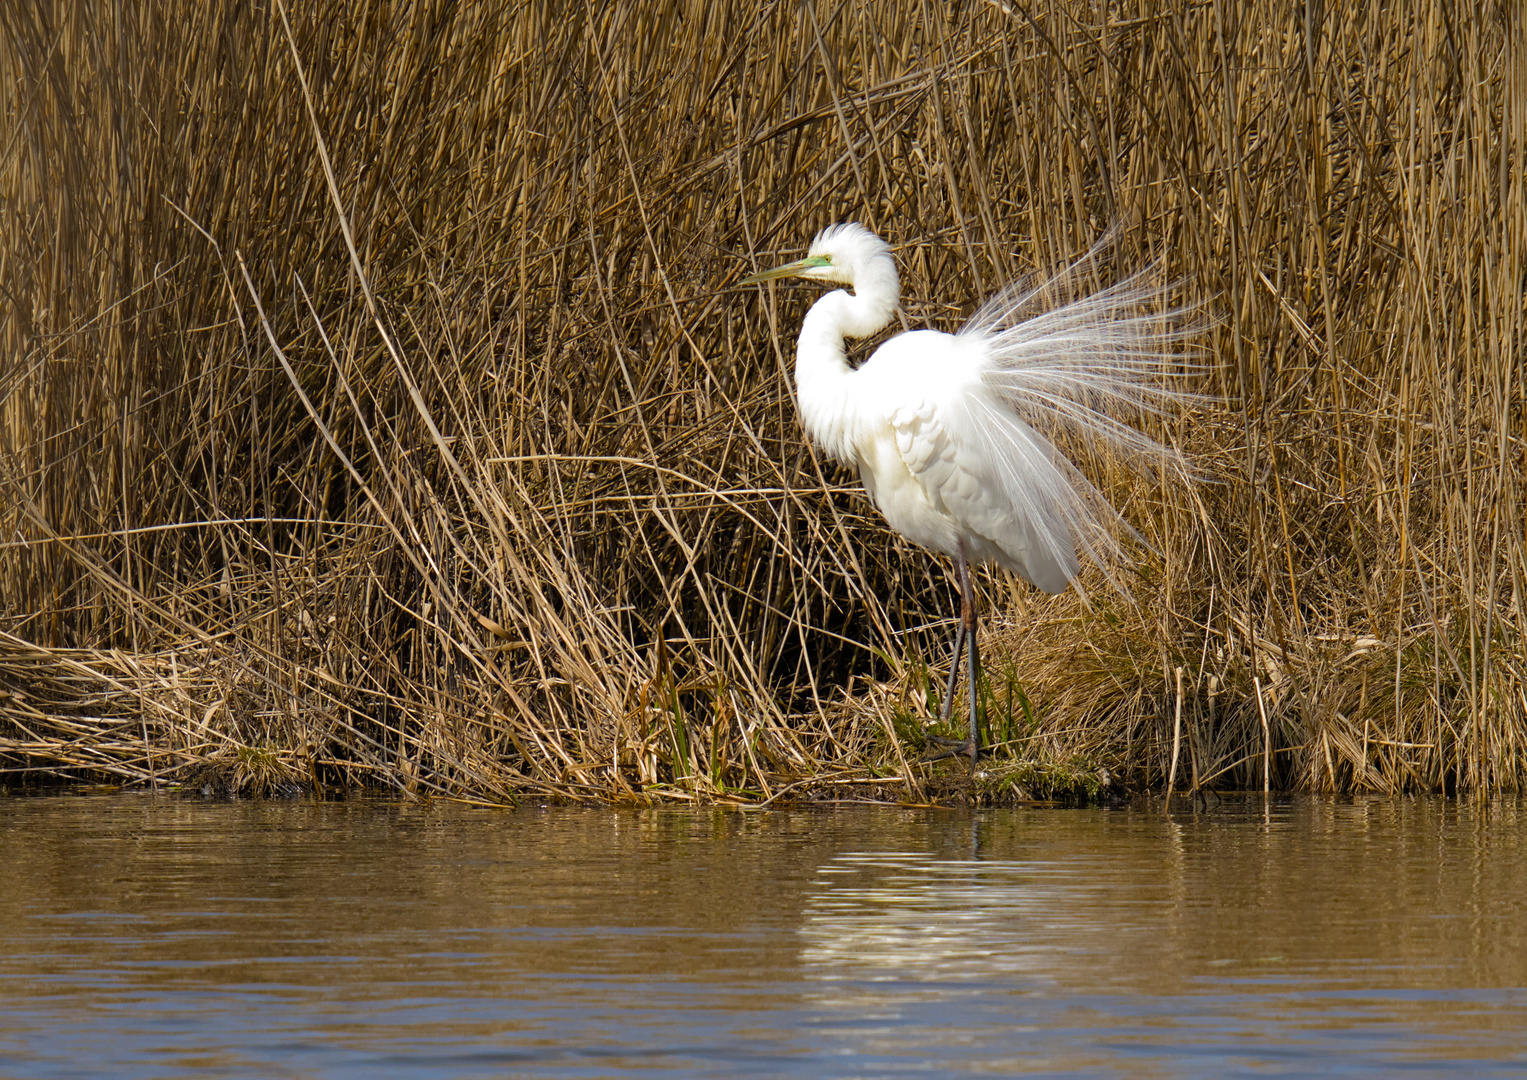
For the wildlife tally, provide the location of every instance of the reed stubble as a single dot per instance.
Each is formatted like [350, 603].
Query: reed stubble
[459, 466]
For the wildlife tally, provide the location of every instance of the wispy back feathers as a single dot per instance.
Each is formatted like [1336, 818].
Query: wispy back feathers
[1084, 367]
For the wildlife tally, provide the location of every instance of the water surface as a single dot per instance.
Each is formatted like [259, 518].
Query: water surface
[165, 937]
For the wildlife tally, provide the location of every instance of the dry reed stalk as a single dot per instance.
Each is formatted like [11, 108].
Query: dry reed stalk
[485, 481]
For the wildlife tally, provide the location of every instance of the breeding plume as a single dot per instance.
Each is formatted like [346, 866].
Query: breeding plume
[951, 433]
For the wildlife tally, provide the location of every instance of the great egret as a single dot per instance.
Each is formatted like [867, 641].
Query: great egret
[948, 430]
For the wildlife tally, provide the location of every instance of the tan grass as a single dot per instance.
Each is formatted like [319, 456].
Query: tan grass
[457, 464]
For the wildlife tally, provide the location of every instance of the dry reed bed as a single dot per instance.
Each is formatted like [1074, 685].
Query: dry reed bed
[504, 493]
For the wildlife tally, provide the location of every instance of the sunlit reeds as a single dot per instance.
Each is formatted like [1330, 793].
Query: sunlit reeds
[513, 499]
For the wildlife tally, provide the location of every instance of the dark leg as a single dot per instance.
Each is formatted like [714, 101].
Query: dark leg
[954, 672]
[964, 640]
[972, 656]
[949, 747]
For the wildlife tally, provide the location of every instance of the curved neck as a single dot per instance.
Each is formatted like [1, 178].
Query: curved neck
[828, 409]
[823, 396]
[868, 309]
[841, 314]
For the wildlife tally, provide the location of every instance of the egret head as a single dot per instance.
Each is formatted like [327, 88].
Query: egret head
[839, 255]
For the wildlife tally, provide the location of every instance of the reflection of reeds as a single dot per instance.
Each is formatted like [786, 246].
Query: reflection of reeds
[536, 515]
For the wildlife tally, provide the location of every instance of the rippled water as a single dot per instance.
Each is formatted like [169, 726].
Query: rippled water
[160, 937]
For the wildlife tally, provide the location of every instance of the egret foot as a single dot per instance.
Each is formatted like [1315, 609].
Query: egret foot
[941, 747]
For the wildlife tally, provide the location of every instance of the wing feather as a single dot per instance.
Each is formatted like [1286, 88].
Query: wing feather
[996, 483]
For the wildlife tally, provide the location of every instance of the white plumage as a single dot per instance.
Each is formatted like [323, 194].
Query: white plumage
[948, 431]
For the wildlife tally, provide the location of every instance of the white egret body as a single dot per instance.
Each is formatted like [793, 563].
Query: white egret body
[945, 428]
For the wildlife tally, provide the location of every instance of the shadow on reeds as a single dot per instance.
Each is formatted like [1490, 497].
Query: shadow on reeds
[447, 459]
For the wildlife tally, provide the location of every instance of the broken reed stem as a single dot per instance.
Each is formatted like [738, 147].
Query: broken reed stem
[1267, 739]
[1171, 782]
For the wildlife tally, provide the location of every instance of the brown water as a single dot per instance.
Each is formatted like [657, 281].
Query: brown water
[162, 937]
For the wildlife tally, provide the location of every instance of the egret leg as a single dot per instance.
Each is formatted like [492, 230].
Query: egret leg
[964, 640]
[972, 656]
[954, 671]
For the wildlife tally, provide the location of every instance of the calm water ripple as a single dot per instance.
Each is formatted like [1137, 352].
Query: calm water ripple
[160, 937]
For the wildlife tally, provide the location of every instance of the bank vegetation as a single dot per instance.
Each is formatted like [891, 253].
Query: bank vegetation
[377, 405]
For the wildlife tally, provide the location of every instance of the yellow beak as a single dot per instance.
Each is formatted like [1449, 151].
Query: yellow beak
[795, 269]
